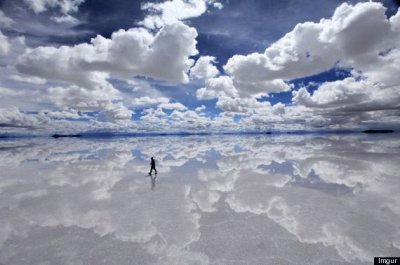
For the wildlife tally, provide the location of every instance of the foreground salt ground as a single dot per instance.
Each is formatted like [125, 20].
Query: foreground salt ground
[216, 200]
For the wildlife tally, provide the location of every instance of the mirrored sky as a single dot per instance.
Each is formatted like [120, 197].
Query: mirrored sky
[294, 199]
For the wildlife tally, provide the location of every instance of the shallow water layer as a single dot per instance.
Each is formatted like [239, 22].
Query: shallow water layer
[330, 199]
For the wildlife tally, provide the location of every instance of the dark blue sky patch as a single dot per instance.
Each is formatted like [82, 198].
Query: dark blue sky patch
[104, 16]
[273, 98]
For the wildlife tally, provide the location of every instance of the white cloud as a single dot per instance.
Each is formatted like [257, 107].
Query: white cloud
[68, 19]
[263, 88]
[349, 101]
[310, 48]
[173, 106]
[359, 37]
[180, 119]
[336, 94]
[189, 120]
[86, 67]
[240, 105]
[218, 86]
[169, 12]
[204, 94]
[4, 44]
[218, 5]
[160, 102]
[4, 20]
[117, 111]
[226, 86]
[132, 52]
[204, 68]
[278, 108]
[28, 79]
[200, 109]
[65, 6]
[13, 117]
[100, 99]
[148, 101]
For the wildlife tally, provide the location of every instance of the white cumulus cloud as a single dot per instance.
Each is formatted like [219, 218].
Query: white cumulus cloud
[65, 6]
[359, 37]
[169, 12]
[204, 68]
[132, 52]
[351, 35]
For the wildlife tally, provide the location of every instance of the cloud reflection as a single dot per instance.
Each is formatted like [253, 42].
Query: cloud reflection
[220, 199]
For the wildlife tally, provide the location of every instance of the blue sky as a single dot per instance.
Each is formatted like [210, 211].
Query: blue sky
[77, 66]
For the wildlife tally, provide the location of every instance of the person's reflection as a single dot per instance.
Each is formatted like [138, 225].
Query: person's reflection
[153, 181]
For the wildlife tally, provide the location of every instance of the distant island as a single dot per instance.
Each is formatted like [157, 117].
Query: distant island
[378, 131]
[65, 135]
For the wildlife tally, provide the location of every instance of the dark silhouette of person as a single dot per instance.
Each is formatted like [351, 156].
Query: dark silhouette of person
[153, 166]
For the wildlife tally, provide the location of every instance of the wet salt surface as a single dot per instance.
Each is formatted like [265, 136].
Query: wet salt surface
[216, 200]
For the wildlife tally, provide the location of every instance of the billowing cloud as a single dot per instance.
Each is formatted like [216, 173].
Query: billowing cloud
[169, 12]
[65, 6]
[180, 119]
[88, 66]
[132, 52]
[241, 105]
[4, 44]
[204, 68]
[100, 100]
[227, 86]
[219, 86]
[12, 117]
[352, 34]
[359, 37]
[347, 92]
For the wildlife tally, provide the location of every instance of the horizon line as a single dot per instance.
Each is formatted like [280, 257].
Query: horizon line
[155, 134]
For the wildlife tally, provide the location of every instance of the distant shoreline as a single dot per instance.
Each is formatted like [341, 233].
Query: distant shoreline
[114, 135]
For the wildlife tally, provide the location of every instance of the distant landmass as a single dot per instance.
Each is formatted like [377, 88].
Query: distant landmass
[65, 135]
[378, 131]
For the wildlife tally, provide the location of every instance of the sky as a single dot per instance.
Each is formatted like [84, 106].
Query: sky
[90, 66]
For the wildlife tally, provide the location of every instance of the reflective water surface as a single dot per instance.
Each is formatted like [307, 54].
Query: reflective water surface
[216, 200]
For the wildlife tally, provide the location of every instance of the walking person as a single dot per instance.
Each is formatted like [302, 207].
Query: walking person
[153, 166]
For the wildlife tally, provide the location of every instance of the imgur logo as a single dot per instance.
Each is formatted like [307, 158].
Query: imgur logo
[386, 260]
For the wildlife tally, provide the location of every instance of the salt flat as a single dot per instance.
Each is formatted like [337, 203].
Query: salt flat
[288, 199]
